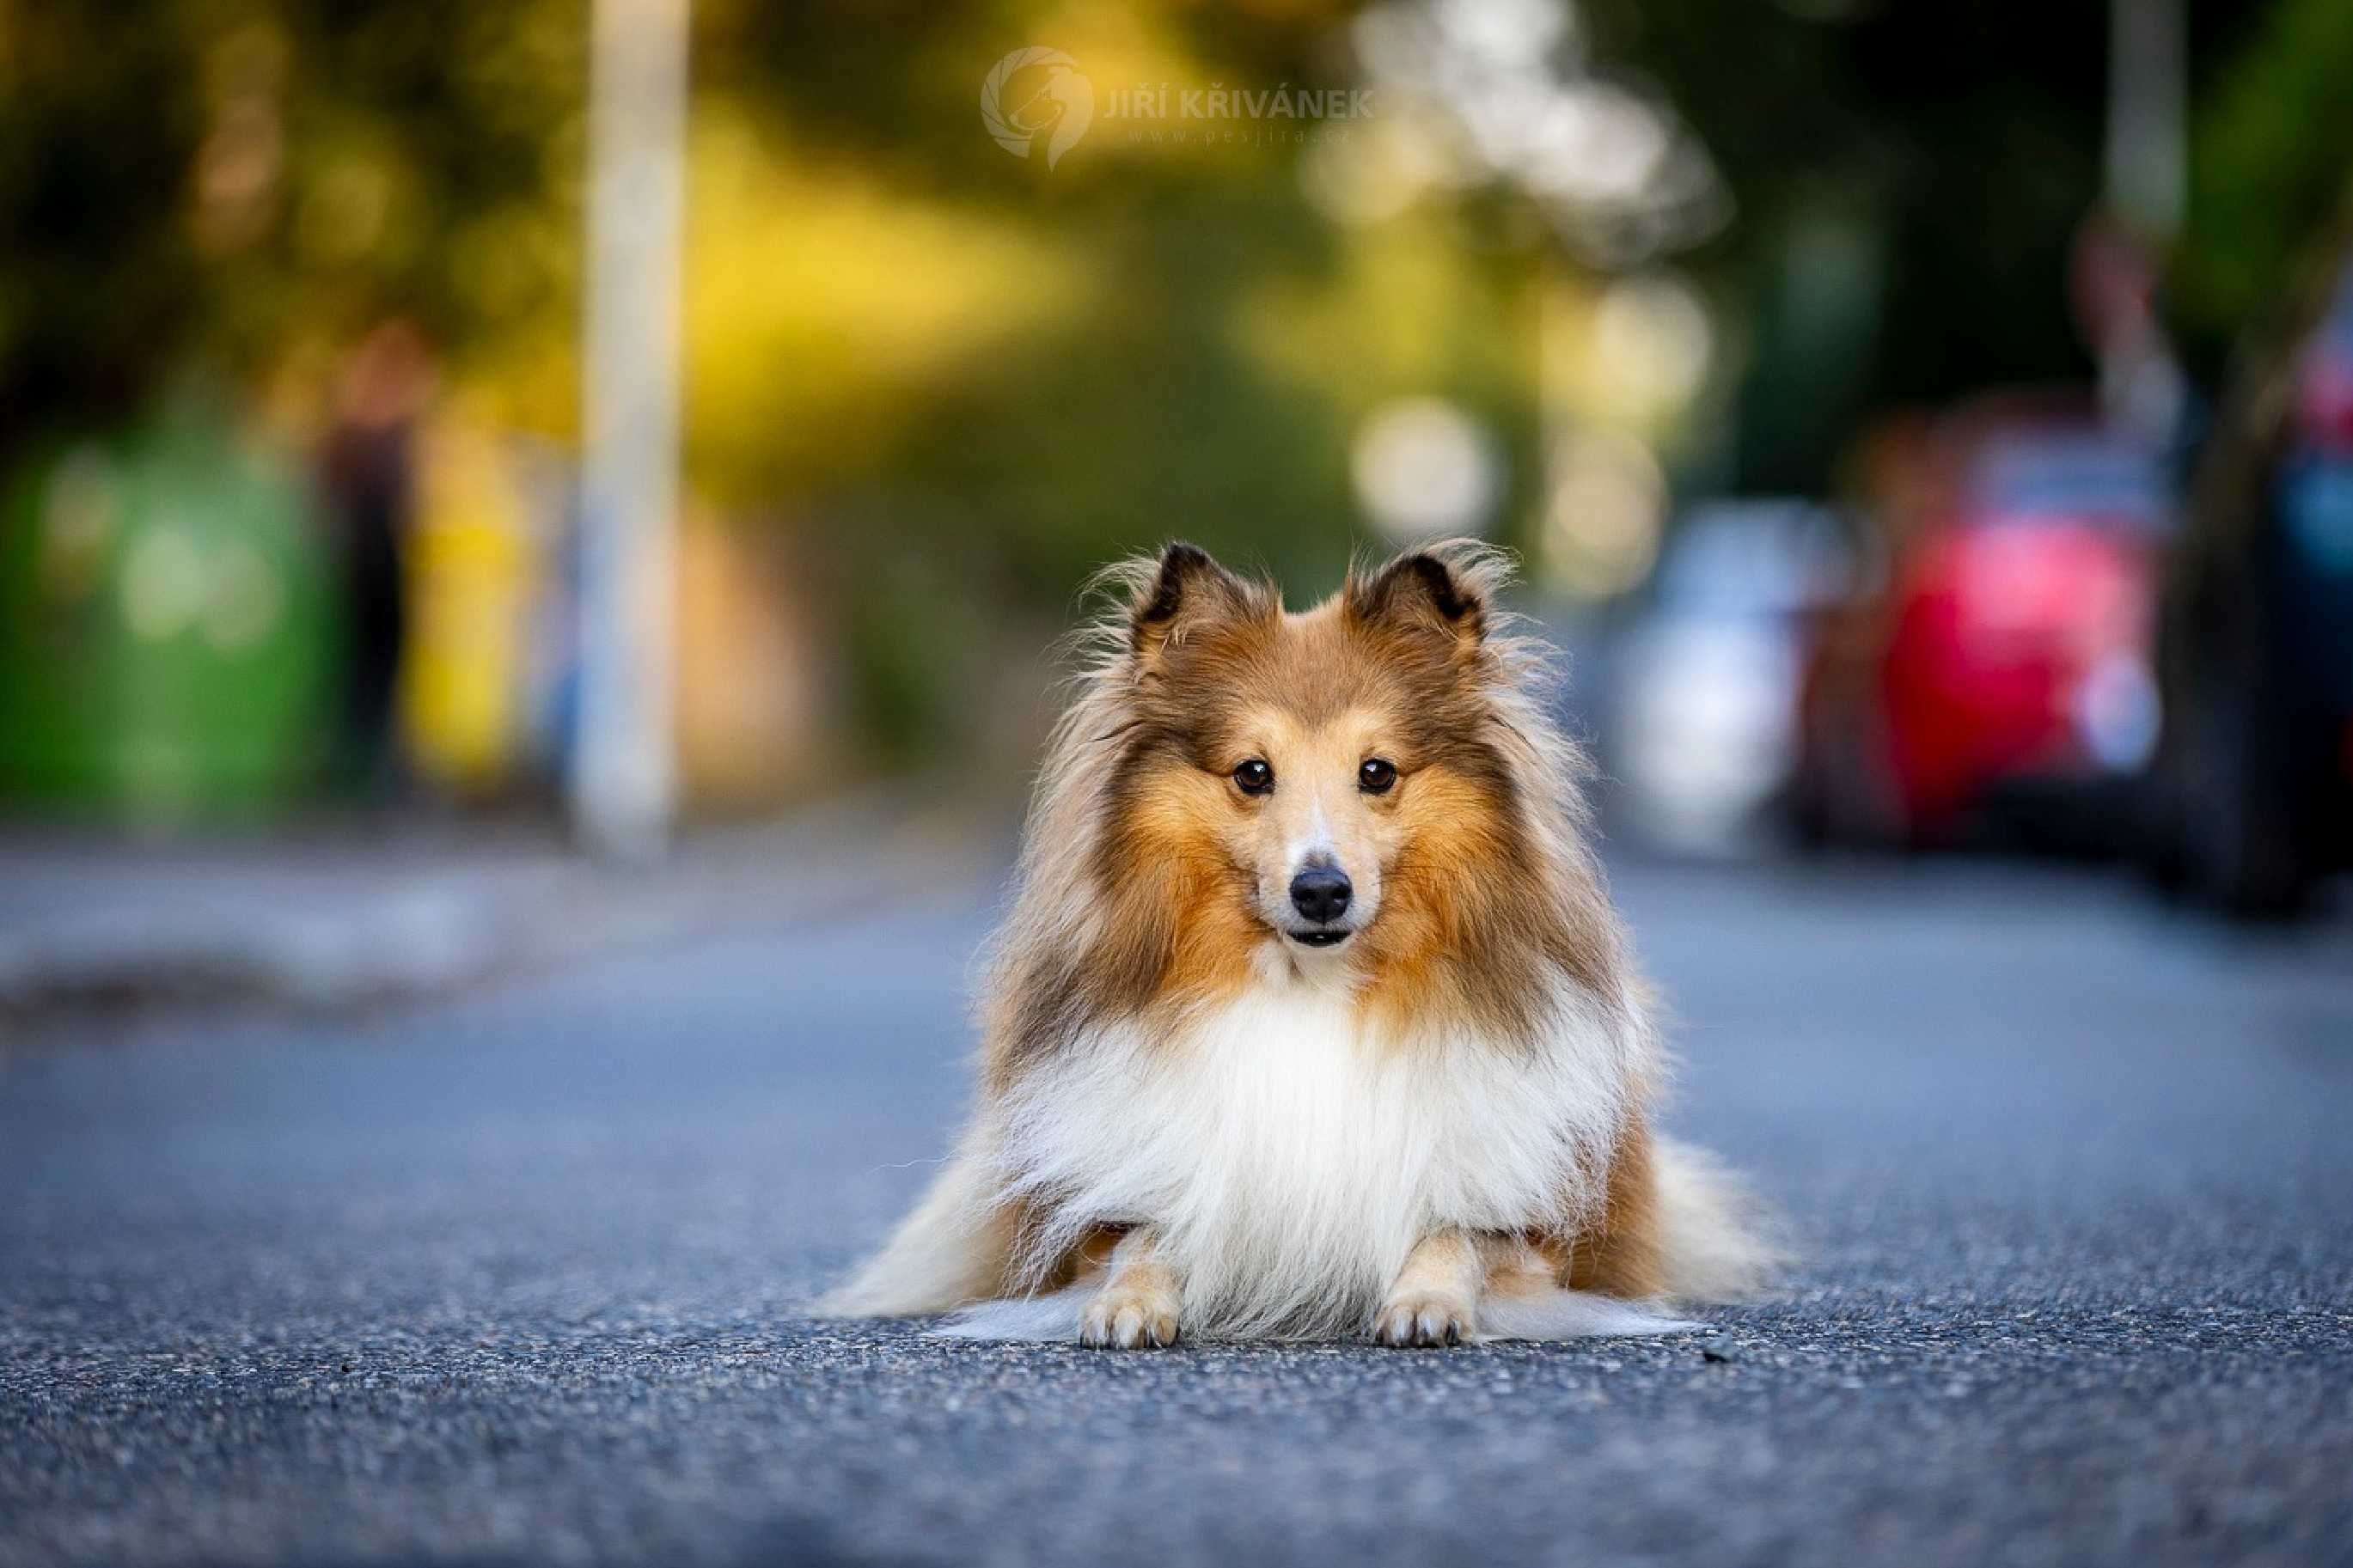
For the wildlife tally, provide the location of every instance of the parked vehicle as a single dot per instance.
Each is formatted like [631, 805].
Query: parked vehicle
[2255, 781]
[2005, 678]
[1704, 720]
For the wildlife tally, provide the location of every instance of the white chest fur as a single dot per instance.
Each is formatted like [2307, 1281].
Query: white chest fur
[1291, 1163]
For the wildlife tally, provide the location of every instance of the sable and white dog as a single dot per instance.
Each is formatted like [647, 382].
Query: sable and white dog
[1312, 1017]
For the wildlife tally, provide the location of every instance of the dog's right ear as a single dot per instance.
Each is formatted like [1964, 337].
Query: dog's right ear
[1188, 589]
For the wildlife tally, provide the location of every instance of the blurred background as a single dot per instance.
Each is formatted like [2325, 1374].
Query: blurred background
[1925, 429]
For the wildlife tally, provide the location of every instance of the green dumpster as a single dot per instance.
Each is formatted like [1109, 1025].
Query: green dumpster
[168, 621]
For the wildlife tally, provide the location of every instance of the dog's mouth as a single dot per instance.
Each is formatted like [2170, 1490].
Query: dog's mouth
[1319, 938]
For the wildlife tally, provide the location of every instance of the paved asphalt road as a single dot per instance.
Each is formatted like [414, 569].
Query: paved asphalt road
[518, 1278]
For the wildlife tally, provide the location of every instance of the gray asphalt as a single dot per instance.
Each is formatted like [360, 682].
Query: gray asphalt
[518, 1278]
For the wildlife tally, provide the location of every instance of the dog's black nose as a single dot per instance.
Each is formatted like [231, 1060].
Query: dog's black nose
[1321, 893]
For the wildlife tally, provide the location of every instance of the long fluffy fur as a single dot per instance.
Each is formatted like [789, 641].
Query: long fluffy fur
[1290, 1136]
[1290, 1170]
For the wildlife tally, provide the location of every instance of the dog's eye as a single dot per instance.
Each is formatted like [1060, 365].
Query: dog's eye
[1376, 776]
[1255, 777]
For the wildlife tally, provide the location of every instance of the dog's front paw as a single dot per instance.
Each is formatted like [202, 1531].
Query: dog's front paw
[1423, 1321]
[1128, 1319]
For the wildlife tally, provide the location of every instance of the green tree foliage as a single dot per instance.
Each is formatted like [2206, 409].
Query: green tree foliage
[971, 379]
[1910, 177]
[957, 380]
[242, 183]
[2271, 170]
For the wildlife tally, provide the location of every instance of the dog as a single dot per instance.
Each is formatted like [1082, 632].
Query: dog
[1311, 1018]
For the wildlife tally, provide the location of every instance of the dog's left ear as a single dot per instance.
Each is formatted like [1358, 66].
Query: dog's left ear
[1422, 591]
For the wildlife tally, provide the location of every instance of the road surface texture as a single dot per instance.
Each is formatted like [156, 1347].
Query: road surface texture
[519, 1276]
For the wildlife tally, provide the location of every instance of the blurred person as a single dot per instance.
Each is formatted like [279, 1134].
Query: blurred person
[369, 467]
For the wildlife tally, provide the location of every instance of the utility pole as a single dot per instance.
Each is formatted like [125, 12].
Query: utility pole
[623, 780]
[2147, 159]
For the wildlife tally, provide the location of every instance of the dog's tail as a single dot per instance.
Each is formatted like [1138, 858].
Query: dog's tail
[1718, 1241]
[951, 1249]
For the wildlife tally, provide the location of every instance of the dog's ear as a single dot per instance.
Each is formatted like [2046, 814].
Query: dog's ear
[1423, 592]
[1187, 589]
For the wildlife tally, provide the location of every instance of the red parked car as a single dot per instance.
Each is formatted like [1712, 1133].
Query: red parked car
[2007, 672]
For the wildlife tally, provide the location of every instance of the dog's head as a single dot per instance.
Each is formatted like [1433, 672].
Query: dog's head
[1339, 782]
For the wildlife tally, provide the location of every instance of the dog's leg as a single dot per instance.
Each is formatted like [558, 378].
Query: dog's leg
[1136, 1304]
[1436, 1296]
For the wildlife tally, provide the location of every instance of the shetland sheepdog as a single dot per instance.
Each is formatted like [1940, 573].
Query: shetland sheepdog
[1312, 1017]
